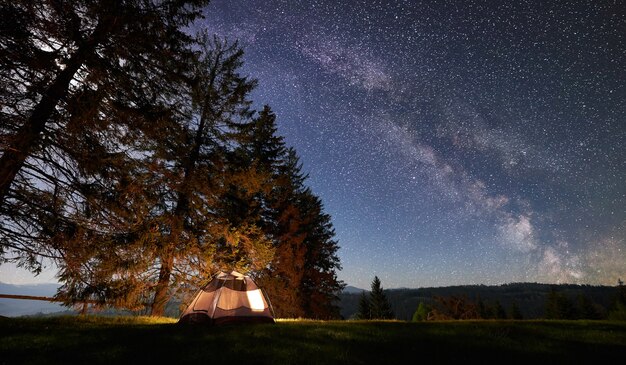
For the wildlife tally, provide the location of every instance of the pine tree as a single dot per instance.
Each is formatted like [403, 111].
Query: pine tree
[379, 305]
[364, 311]
[302, 277]
[84, 81]
[320, 285]
[421, 313]
[618, 308]
[209, 181]
[499, 311]
[558, 306]
[132, 160]
[276, 211]
[190, 228]
[587, 309]
[515, 312]
[482, 309]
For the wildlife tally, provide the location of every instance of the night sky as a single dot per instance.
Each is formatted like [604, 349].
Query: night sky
[452, 142]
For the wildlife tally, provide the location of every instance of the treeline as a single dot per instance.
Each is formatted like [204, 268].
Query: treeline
[131, 158]
[509, 301]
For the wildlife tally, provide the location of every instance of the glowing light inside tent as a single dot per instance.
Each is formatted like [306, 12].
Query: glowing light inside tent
[256, 300]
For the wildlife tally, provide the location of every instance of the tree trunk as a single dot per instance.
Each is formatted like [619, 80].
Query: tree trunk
[30, 133]
[161, 295]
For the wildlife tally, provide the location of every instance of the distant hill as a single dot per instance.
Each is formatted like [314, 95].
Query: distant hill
[530, 297]
[353, 290]
[20, 307]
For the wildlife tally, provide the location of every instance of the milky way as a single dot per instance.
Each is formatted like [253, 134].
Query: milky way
[452, 142]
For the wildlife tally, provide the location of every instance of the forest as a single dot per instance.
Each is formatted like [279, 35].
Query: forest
[508, 301]
[134, 160]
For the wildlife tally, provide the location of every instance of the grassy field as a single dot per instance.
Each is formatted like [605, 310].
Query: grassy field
[121, 340]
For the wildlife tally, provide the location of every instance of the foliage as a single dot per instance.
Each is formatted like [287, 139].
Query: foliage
[453, 307]
[364, 311]
[558, 306]
[515, 312]
[301, 280]
[421, 313]
[132, 159]
[379, 304]
[530, 297]
[76, 87]
[618, 310]
[499, 312]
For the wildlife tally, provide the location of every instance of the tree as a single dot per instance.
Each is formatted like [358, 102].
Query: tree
[364, 311]
[499, 311]
[454, 307]
[82, 81]
[197, 187]
[202, 177]
[558, 306]
[132, 159]
[302, 276]
[379, 305]
[320, 285]
[421, 313]
[618, 310]
[515, 312]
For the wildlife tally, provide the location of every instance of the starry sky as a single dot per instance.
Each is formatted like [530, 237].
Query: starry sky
[452, 142]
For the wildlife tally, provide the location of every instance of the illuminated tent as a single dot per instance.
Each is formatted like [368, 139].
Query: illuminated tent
[228, 298]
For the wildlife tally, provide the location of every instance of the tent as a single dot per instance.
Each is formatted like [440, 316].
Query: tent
[229, 298]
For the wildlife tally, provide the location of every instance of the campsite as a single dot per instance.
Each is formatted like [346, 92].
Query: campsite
[312, 182]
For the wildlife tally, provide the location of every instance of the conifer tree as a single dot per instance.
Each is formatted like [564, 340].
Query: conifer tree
[320, 285]
[364, 311]
[421, 313]
[76, 87]
[302, 276]
[379, 305]
[132, 159]
[558, 306]
[184, 182]
[618, 307]
[202, 177]
[499, 311]
[515, 312]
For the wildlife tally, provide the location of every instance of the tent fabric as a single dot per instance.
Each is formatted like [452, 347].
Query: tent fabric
[228, 298]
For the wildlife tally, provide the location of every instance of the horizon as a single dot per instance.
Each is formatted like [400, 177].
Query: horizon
[364, 289]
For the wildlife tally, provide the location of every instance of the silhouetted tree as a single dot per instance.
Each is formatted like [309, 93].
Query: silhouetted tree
[320, 285]
[77, 78]
[364, 311]
[618, 308]
[482, 309]
[379, 305]
[514, 311]
[558, 306]
[131, 157]
[499, 311]
[188, 230]
[302, 276]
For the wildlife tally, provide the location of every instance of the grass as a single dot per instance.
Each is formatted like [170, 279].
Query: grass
[122, 340]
